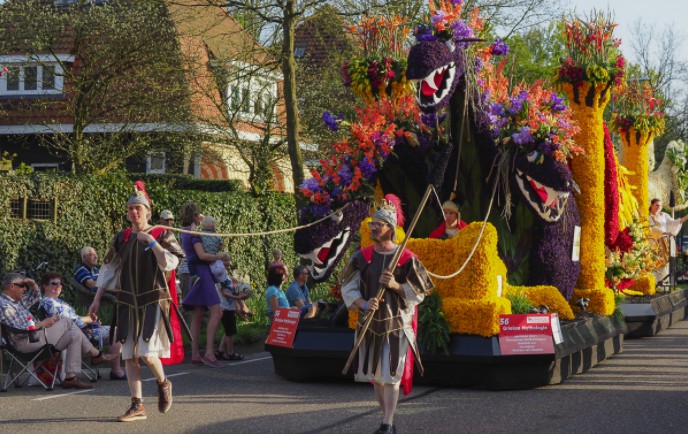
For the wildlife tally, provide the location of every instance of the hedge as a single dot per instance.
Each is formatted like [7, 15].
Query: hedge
[90, 210]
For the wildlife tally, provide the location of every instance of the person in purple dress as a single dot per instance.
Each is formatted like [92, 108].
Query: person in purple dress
[202, 294]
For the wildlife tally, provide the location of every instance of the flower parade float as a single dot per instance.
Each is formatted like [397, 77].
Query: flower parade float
[510, 146]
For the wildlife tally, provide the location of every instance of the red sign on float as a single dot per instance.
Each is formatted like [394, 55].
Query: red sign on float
[522, 334]
[283, 327]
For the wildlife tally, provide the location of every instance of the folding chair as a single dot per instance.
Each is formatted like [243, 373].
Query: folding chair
[26, 360]
[92, 373]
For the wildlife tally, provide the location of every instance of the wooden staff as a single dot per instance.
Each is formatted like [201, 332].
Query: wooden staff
[392, 266]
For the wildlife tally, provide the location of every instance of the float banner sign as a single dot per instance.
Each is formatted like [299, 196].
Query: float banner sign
[525, 334]
[283, 327]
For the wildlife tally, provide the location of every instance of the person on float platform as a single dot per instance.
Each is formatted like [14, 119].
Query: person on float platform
[452, 223]
[136, 265]
[386, 354]
[663, 227]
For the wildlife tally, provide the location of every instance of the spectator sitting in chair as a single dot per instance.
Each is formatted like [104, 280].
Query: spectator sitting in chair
[52, 305]
[19, 293]
[87, 273]
[298, 294]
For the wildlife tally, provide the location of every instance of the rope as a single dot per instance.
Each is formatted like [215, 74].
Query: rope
[480, 236]
[254, 234]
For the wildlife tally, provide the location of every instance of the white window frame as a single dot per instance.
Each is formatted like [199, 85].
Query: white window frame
[39, 61]
[258, 87]
[149, 162]
[45, 166]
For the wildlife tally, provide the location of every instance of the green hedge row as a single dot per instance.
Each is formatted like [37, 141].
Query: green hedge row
[90, 210]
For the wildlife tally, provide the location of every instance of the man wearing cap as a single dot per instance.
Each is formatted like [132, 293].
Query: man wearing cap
[382, 356]
[166, 218]
[136, 266]
[452, 223]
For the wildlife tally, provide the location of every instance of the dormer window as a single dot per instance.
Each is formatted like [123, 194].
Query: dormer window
[31, 76]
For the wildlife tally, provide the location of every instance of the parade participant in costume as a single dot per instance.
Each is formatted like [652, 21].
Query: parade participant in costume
[664, 228]
[385, 356]
[452, 223]
[135, 266]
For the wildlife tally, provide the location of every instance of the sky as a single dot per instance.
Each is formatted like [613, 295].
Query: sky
[659, 13]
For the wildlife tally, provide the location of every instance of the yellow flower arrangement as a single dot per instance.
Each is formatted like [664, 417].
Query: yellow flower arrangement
[547, 295]
[635, 147]
[601, 300]
[588, 103]
[628, 204]
[645, 285]
[475, 317]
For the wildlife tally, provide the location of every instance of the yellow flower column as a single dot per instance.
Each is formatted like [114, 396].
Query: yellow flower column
[588, 105]
[635, 148]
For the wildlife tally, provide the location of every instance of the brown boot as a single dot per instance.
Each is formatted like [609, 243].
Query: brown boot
[74, 383]
[136, 411]
[164, 396]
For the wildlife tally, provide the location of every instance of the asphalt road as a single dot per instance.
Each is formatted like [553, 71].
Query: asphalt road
[639, 391]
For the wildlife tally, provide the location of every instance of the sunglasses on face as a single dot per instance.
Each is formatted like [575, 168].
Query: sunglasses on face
[56, 283]
[375, 225]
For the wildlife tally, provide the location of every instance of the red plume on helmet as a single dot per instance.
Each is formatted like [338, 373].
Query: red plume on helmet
[140, 188]
[394, 200]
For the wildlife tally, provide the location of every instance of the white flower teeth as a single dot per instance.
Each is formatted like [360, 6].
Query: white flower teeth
[317, 268]
[449, 71]
[552, 208]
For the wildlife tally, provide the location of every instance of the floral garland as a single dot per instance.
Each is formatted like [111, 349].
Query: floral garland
[638, 109]
[611, 191]
[593, 52]
[628, 204]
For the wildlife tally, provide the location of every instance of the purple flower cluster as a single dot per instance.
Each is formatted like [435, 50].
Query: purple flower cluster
[424, 34]
[461, 30]
[523, 137]
[557, 104]
[332, 121]
[499, 48]
[517, 102]
[456, 2]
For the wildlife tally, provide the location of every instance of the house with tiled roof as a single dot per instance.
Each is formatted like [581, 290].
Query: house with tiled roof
[223, 67]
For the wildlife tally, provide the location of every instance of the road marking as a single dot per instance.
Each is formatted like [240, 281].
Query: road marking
[249, 361]
[167, 376]
[62, 394]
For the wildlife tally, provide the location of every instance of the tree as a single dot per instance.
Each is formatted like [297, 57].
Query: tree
[125, 74]
[656, 55]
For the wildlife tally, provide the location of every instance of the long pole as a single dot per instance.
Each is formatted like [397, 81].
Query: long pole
[381, 291]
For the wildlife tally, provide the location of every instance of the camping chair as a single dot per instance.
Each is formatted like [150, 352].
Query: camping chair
[26, 360]
[92, 373]
[85, 295]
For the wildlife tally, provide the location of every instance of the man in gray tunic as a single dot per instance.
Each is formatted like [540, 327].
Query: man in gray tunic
[382, 356]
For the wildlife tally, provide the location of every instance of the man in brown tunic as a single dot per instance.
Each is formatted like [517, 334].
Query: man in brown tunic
[135, 267]
[382, 356]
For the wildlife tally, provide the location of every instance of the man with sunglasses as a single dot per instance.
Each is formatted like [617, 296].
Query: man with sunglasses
[19, 293]
[389, 342]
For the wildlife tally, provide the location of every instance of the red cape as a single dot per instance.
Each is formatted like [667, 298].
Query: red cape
[176, 347]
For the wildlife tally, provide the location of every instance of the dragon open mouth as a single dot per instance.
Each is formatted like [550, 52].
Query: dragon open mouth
[435, 86]
[324, 257]
[546, 201]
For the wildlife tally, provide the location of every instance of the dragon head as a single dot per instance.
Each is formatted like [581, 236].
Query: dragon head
[434, 68]
[324, 244]
[545, 184]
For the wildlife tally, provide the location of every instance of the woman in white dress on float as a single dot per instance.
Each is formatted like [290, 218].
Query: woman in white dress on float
[662, 225]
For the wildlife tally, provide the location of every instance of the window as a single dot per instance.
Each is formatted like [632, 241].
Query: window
[299, 52]
[34, 209]
[31, 79]
[246, 100]
[155, 162]
[235, 101]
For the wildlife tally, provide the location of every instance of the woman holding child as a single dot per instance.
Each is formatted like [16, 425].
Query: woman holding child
[202, 294]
